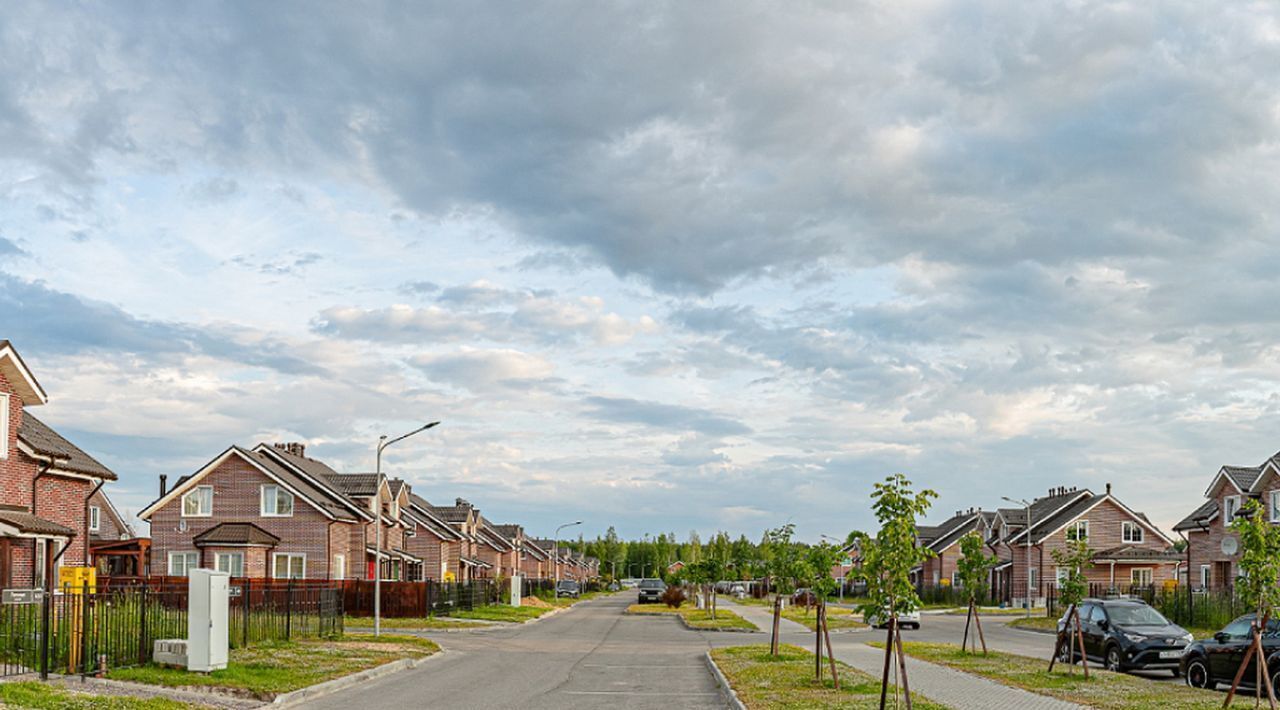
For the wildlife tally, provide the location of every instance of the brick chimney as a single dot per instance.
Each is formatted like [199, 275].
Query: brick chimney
[295, 448]
[164, 484]
[1108, 488]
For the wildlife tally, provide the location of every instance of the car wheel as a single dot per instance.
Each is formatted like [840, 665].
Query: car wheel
[1113, 662]
[1198, 674]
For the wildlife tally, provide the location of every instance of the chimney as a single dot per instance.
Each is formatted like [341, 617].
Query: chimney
[461, 503]
[294, 448]
[164, 484]
[1108, 488]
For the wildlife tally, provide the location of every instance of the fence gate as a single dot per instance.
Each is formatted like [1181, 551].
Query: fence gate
[22, 630]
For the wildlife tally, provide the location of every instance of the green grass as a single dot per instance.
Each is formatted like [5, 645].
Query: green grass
[988, 611]
[502, 612]
[697, 618]
[1102, 689]
[266, 670]
[415, 623]
[837, 618]
[43, 696]
[1035, 623]
[763, 682]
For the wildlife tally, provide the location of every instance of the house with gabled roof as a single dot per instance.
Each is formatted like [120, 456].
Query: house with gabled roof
[944, 541]
[46, 483]
[465, 518]
[434, 540]
[1213, 551]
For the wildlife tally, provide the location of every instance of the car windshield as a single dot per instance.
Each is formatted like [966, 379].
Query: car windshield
[568, 585]
[652, 584]
[1135, 616]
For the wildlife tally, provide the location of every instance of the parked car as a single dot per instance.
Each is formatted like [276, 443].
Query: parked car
[1126, 635]
[738, 591]
[568, 588]
[910, 620]
[1209, 662]
[651, 590]
[804, 597]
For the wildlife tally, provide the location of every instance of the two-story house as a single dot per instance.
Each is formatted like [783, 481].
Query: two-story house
[437, 543]
[45, 484]
[1213, 550]
[944, 541]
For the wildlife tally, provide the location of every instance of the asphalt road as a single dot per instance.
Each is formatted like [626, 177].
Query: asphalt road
[591, 656]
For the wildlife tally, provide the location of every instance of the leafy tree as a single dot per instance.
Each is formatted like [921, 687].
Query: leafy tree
[972, 570]
[784, 558]
[1075, 558]
[817, 563]
[1256, 587]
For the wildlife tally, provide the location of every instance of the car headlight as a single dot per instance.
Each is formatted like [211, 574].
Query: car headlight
[1188, 638]
[1136, 638]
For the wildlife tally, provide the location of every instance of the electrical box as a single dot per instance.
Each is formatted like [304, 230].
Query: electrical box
[74, 579]
[208, 607]
[517, 586]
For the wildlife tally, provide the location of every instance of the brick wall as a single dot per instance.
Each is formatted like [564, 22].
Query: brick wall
[236, 498]
[1206, 546]
[109, 527]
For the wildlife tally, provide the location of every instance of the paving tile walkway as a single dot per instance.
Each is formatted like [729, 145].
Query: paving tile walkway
[762, 617]
[950, 687]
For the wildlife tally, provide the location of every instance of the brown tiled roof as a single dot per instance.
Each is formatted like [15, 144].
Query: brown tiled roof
[236, 534]
[452, 513]
[1199, 516]
[47, 442]
[1127, 553]
[1243, 476]
[317, 470]
[27, 523]
[354, 484]
[509, 531]
[323, 498]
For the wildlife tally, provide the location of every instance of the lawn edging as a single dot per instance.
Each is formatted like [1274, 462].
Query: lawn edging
[726, 690]
[312, 692]
[685, 621]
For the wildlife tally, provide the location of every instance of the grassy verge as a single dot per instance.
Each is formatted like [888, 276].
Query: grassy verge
[988, 611]
[697, 618]
[837, 618]
[1035, 623]
[266, 670]
[513, 614]
[42, 696]
[415, 623]
[763, 682]
[1102, 690]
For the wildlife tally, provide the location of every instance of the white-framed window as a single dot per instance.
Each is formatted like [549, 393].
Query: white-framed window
[181, 563]
[937, 578]
[1033, 578]
[37, 569]
[95, 518]
[1230, 506]
[198, 502]
[1141, 576]
[1131, 532]
[393, 508]
[276, 502]
[339, 570]
[1204, 576]
[1061, 574]
[1275, 506]
[287, 565]
[230, 562]
[1079, 530]
[4, 425]
[955, 578]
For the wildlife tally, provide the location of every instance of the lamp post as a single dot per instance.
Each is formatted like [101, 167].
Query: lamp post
[555, 547]
[383, 443]
[843, 574]
[1026, 505]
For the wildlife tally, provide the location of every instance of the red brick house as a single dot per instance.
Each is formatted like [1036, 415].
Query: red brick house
[1212, 549]
[45, 484]
[465, 519]
[274, 512]
[944, 541]
[434, 541]
[114, 548]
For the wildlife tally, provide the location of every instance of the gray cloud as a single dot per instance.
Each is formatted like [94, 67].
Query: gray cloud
[663, 416]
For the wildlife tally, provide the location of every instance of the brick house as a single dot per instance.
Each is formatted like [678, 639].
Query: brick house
[46, 483]
[1130, 550]
[944, 541]
[433, 540]
[114, 548]
[465, 519]
[495, 549]
[1212, 549]
[274, 512]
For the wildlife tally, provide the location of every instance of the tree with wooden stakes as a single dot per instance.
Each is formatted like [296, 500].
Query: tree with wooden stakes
[1075, 558]
[1259, 568]
[784, 569]
[973, 570]
[818, 561]
[887, 561]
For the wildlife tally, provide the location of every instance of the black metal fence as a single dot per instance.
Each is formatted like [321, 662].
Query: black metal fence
[113, 625]
[418, 599]
[1204, 608]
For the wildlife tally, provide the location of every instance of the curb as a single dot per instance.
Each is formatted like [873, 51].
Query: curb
[730, 695]
[684, 622]
[332, 686]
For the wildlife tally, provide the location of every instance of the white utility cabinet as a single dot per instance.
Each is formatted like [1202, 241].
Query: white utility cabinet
[517, 587]
[208, 606]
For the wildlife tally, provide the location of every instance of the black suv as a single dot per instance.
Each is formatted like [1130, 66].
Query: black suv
[1212, 661]
[651, 590]
[1127, 635]
[567, 588]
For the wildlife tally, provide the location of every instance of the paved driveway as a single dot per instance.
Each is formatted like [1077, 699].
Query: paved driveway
[591, 656]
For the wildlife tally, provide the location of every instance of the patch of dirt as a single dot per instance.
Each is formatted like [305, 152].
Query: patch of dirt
[535, 602]
[370, 646]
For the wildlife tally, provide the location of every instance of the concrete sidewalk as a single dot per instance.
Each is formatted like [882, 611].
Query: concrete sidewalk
[762, 616]
[950, 687]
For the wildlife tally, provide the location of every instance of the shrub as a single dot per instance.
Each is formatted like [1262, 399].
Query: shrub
[674, 597]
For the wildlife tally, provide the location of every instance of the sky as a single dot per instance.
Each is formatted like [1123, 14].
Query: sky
[661, 266]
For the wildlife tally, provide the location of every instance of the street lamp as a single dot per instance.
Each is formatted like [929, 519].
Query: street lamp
[1026, 505]
[555, 554]
[377, 525]
[838, 543]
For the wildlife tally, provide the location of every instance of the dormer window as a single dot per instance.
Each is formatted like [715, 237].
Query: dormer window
[198, 502]
[1230, 506]
[276, 502]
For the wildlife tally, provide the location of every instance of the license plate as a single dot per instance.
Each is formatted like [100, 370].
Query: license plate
[1171, 654]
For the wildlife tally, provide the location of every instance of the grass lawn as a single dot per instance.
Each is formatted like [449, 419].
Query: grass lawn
[268, 669]
[1035, 623]
[428, 623]
[697, 618]
[763, 682]
[1102, 690]
[43, 696]
[503, 612]
[837, 618]
[988, 611]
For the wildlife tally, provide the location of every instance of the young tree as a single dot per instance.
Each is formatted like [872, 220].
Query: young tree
[1075, 558]
[972, 571]
[783, 565]
[887, 561]
[817, 563]
[1259, 569]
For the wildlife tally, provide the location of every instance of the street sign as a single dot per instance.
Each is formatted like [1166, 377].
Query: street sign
[23, 596]
[235, 590]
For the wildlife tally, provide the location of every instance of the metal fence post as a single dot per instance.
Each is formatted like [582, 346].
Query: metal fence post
[244, 609]
[84, 630]
[288, 608]
[44, 634]
[142, 624]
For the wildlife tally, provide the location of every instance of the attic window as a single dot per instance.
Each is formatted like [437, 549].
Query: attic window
[1078, 531]
[1231, 506]
[1130, 532]
[276, 502]
[198, 503]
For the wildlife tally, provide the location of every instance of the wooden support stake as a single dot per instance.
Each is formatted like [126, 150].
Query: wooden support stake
[977, 621]
[1084, 660]
[831, 653]
[817, 647]
[902, 665]
[1064, 635]
[968, 619]
[888, 657]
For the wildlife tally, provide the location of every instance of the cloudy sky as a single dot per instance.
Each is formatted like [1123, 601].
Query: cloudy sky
[660, 265]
